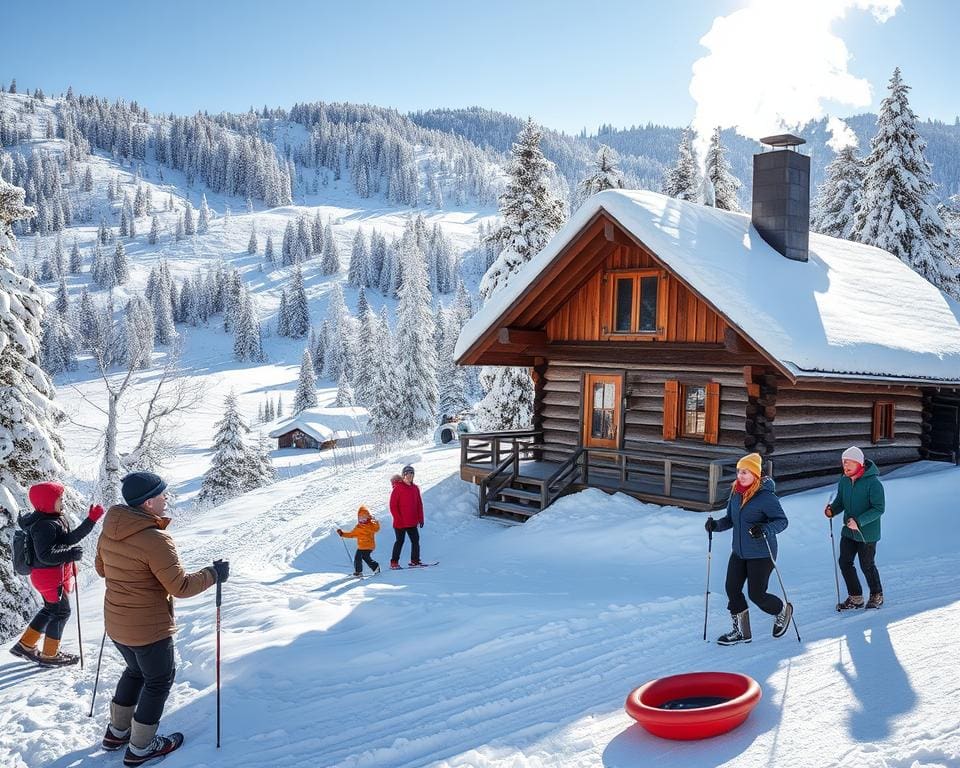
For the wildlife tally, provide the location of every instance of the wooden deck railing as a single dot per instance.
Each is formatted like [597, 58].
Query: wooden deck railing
[491, 447]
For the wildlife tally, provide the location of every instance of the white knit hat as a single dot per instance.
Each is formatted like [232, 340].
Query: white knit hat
[854, 454]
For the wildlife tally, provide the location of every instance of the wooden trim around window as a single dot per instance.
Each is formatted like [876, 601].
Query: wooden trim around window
[884, 418]
[711, 432]
[671, 409]
[608, 286]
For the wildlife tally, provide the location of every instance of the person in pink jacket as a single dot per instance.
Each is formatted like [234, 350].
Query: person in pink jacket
[406, 507]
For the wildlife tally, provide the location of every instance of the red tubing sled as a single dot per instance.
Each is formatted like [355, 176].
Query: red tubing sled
[696, 705]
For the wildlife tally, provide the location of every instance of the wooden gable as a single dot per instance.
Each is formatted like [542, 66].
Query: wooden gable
[683, 316]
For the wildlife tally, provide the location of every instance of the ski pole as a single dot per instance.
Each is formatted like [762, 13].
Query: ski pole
[836, 572]
[780, 579]
[706, 605]
[96, 679]
[219, 600]
[345, 549]
[76, 593]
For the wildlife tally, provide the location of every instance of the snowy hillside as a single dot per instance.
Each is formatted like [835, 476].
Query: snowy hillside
[521, 646]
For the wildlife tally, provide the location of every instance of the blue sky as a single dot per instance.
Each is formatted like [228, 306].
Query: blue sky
[567, 64]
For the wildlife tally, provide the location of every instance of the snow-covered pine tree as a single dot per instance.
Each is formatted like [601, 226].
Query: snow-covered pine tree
[336, 344]
[252, 242]
[330, 261]
[416, 358]
[62, 303]
[189, 227]
[682, 180]
[319, 347]
[839, 196]
[58, 261]
[306, 396]
[717, 169]
[154, 235]
[139, 329]
[531, 213]
[316, 234]
[181, 231]
[30, 446]
[120, 267]
[268, 253]
[247, 344]
[203, 220]
[898, 212]
[531, 216]
[283, 316]
[236, 467]
[58, 351]
[164, 329]
[298, 310]
[604, 175]
[345, 397]
[279, 406]
[364, 369]
[76, 259]
[384, 405]
[359, 260]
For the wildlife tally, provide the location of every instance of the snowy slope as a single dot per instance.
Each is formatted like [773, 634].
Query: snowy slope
[520, 648]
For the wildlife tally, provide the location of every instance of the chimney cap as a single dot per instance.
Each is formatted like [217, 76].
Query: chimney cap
[783, 140]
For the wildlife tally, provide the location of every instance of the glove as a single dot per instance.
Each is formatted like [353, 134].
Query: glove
[339, 533]
[222, 569]
[421, 525]
[756, 531]
[828, 511]
[74, 554]
[95, 513]
[710, 525]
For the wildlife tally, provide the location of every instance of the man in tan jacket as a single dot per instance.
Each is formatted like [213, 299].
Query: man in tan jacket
[139, 561]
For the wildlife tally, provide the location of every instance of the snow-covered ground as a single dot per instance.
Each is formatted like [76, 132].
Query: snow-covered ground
[520, 648]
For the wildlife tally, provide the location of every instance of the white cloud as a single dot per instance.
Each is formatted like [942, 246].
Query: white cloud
[842, 135]
[772, 65]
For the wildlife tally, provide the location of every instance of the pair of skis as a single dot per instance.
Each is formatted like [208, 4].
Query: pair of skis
[398, 568]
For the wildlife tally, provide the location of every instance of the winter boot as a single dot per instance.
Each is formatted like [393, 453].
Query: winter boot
[782, 623]
[146, 744]
[740, 632]
[61, 659]
[395, 564]
[117, 735]
[414, 563]
[23, 652]
[376, 569]
[851, 603]
[358, 574]
[876, 600]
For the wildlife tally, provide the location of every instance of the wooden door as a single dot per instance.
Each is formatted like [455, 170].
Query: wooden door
[602, 396]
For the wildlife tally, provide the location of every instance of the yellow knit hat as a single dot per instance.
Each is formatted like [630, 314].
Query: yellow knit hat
[753, 462]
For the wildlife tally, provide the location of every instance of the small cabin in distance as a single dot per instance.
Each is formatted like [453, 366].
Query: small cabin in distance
[322, 428]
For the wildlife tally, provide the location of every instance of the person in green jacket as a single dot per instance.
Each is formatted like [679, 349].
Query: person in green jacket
[860, 500]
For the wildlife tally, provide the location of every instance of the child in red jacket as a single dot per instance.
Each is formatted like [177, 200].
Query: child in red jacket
[406, 507]
[54, 546]
[365, 533]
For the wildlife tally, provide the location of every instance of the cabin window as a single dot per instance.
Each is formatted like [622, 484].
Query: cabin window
[883, 415]
[635, 303]
[691, 411]
[694, 404]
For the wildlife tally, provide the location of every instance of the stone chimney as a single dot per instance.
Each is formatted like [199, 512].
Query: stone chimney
[781, 196]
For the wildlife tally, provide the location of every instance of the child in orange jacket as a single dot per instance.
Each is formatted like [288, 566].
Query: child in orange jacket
[365, 533]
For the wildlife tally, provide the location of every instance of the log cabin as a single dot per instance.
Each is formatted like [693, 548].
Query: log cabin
[665, 339]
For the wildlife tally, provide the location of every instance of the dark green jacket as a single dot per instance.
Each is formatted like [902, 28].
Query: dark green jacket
[863, 501]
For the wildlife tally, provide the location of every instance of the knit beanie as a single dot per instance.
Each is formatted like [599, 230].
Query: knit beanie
[363, 512]
[853, 454]
[753, 462]
[407, 470]
[138, 487]
[43, 496]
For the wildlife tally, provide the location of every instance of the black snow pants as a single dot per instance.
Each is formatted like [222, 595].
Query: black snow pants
[755, 573]
[147, 680]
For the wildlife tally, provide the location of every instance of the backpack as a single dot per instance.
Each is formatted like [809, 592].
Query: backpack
[24, 555]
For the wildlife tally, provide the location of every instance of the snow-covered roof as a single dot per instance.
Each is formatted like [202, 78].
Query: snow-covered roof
[852, 310]
[323, 424]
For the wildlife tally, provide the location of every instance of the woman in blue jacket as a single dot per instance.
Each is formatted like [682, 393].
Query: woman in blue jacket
[755, 514]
